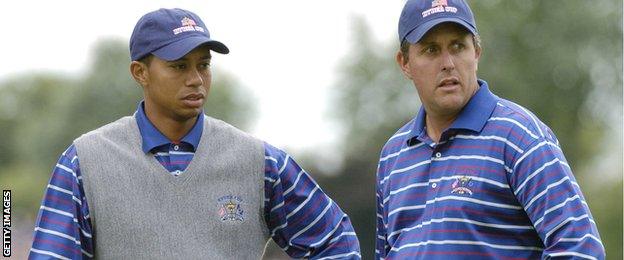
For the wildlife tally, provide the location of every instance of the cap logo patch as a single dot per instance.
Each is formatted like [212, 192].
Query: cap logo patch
[439, 6]
[188, 25]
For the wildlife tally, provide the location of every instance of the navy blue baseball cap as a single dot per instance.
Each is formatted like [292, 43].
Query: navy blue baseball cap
[170, 34]
[419, 16]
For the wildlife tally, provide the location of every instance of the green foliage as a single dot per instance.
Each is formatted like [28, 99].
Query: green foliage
[562, 60]
[558, 59]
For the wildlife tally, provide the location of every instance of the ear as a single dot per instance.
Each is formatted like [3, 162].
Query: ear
[403, 64]
[139, 72]
[477, 56]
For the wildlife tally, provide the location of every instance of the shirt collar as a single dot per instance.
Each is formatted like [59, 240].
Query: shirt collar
[153, 138]
[473, 116]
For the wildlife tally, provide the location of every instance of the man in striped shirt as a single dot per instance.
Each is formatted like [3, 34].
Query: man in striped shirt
[473, 176]
[170, 182]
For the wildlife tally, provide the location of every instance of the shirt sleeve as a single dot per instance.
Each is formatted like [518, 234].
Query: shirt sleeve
[301, 218]
[545, 186]
[63, 227]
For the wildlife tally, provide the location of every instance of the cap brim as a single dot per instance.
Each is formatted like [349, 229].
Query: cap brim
[415, 35]
[178, 49]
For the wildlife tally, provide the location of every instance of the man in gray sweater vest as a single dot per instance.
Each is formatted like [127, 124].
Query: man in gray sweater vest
[172, 183]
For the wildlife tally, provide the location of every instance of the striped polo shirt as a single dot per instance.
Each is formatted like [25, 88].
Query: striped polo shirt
[300, 217]
[496, 186]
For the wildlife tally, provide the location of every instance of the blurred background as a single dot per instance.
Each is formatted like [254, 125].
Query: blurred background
[317, 79]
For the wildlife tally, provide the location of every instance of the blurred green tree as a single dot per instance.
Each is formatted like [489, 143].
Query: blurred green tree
[562, 60]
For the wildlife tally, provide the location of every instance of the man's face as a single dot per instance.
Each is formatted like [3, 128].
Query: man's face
[177, 90]
[443, 67]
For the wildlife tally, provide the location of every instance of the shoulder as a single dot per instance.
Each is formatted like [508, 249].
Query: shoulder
[509, 118]
[219, 126]
[120, 125]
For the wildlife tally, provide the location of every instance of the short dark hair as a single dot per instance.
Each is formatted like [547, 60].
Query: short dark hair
[147, 59]
[476, 40]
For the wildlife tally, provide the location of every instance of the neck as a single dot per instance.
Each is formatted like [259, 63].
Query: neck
[171, 128]
[437, 124]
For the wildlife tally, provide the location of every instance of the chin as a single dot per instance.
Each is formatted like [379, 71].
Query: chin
[187, 114]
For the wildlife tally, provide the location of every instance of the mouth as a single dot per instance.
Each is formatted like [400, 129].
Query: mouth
[195, 100]
[449, 83]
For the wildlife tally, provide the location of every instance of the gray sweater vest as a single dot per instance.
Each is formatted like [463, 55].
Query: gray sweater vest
[214, 210]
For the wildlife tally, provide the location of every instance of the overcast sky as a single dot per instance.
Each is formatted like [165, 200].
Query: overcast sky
[285, 52]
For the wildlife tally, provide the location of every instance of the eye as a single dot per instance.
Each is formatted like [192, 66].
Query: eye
[179, 66]
[431, 49]
[458, 46]
[204, 65]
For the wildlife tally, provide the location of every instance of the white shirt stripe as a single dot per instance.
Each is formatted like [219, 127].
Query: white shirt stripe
[278, 228]
[515, 123]
[467, 242]
[531, 151]
[58, 234]
[400, 151]
[539, 195]
[404, 170]
[578, 239]
[277, 206]
[56, 188]
[43, 252]
[537, 125]
[400, 134]
[487, 203]
[491, 137]
[440, 220]
[277, 182]
[528, 178]
[341, 256]
[324, 239]
[342, 235]
[294, 184]
[64, 213]
[303, 203]
[584, 216]
[572, 254]
[285, 163]
[270, 159]
[68, 170]
[473, 157]
[558, 206]
[313, 222]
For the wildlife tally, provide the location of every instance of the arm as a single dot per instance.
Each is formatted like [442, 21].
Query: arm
[545, 186]
[301, 218]
[63, 227]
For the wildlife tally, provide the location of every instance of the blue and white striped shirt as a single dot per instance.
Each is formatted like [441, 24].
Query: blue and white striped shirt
[300, 217]
[495, 186]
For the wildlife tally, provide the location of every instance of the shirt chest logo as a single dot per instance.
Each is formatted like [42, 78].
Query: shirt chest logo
[462, 185]
[230, 208]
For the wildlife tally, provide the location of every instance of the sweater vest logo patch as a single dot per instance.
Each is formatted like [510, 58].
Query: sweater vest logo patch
[461, 185]
[230, 208]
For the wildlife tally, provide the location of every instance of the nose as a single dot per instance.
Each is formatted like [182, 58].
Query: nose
[447, 61]
[194, 78]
